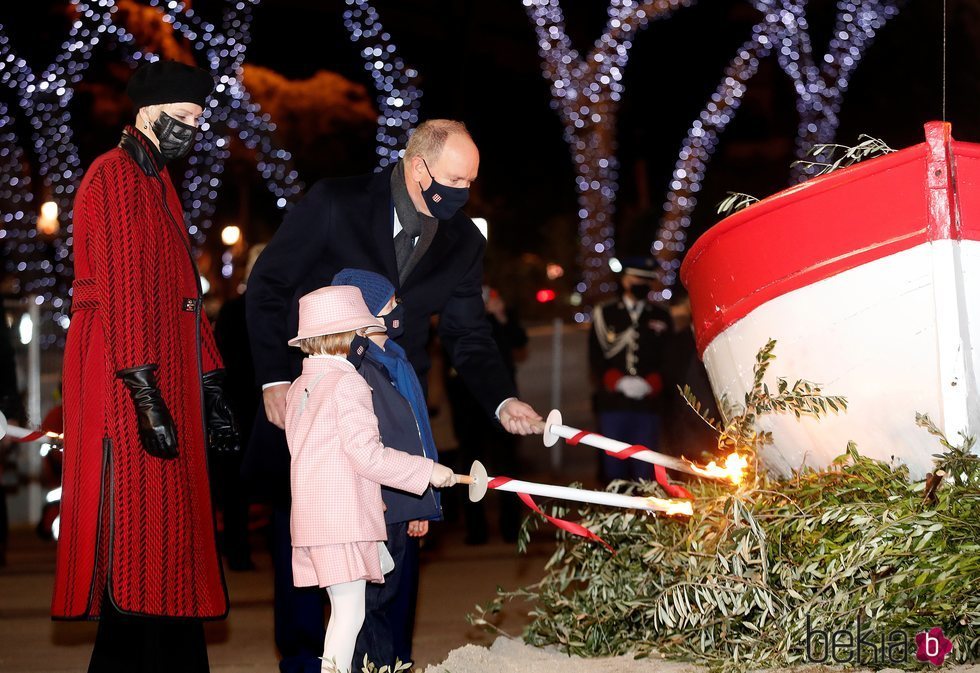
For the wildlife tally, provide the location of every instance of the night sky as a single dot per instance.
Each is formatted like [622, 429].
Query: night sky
[479, 63]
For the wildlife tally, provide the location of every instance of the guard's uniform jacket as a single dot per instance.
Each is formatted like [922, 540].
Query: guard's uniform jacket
[628, 341]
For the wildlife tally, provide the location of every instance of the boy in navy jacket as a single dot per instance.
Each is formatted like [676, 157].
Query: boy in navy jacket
[403, 420]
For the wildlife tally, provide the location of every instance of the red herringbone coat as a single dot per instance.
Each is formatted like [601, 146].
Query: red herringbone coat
[140, 524]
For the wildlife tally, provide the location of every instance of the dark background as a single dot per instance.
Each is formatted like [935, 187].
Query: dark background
[479, 63]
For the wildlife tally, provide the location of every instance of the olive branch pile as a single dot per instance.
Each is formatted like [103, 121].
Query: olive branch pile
[733, 586]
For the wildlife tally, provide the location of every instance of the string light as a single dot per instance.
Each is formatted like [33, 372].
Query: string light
[44, 98]
[22, 248]
[819, 91]
[397, 84]
[820, 87]
[45, 266]
[586, 94]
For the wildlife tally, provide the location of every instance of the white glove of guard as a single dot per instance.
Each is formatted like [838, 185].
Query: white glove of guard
[634, 387]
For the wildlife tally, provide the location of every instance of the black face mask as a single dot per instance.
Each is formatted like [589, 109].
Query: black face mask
[443, 201]
[395, 321]
[358, 348]
[176, 138]
[639, 290]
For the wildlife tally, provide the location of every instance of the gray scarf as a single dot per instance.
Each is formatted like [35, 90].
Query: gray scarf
[411, 219]
[414, 223]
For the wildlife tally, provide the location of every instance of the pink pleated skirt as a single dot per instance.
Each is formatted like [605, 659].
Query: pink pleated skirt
[329, 564]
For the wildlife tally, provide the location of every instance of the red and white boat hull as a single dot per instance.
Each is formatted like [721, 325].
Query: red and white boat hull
[869, 279]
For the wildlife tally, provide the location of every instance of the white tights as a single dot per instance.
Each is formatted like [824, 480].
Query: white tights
[346, 619]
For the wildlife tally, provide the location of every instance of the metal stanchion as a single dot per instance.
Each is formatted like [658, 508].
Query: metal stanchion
[556, 357]
[35, 498]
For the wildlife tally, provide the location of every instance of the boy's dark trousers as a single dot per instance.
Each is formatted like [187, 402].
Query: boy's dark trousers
[389, 617]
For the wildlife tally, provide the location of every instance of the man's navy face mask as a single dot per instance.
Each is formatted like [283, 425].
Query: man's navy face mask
[443, 201]
[640, 290]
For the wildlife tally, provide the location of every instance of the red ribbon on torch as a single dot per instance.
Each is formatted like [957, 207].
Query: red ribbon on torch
[567, 526]
[673, 490]
[659, 471]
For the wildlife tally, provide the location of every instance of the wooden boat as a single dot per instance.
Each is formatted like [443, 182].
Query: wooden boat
[869, 279]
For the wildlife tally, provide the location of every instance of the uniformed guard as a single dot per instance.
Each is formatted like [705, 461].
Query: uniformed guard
[628, 351]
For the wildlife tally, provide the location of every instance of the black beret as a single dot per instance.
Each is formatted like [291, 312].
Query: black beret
[164, 82]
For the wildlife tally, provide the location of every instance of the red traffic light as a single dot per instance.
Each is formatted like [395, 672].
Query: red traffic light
[544, 296]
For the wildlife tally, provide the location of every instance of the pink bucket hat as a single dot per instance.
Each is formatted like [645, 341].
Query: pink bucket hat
[331, 310]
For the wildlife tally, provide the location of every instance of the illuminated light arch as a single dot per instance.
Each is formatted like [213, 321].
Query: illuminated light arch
[44, 99]
[20, 243]
[397, 84]
[586, 94]
[819, 91]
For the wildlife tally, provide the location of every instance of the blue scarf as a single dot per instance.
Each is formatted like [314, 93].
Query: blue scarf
[392, 358]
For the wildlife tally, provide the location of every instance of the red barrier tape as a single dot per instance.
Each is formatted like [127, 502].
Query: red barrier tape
[673, 490]
[567, 526]
[33, 437]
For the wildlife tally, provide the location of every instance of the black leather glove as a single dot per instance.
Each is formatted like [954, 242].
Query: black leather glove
[222, 428]
[156, 427]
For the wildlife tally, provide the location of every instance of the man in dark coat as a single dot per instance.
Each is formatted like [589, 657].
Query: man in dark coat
[231, 335]
[628, 353]
[404, 223]
[142, 380]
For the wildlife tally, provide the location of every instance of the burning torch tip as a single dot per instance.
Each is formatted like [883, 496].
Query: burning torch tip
[733, 469]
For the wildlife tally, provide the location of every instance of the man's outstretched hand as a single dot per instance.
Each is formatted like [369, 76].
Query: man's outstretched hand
[274, 398]
[518, 418]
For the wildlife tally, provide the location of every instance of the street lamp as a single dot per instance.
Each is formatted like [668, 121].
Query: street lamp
[47, 222]
[231, 234]
[25, 329]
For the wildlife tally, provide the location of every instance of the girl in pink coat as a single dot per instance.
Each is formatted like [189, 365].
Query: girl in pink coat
[337, 467]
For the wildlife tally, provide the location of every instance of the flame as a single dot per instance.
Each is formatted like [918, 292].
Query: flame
[734, 469]
[670, 507]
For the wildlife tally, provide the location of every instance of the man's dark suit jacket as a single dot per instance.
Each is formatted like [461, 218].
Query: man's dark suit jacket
[349, 223]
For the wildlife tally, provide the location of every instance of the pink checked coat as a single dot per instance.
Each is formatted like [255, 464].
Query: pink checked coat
[337, 460]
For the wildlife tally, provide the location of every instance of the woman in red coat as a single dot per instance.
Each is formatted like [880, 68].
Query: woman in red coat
[142, 395]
